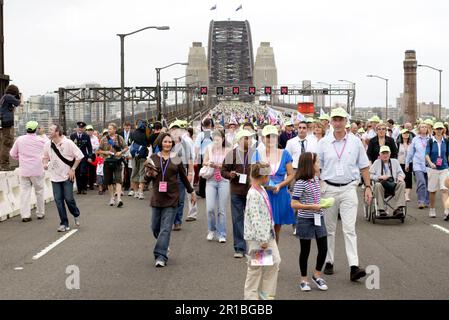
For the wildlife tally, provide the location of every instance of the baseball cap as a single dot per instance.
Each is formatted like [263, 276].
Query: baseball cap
[384, 149]
[269, 129]
[339, 112]
[438, 125]
[242, 133]
[32, 125]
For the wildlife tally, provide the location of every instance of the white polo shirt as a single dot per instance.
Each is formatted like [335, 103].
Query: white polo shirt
[342, 160]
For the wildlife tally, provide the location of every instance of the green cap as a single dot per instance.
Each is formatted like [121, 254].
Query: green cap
[404, 131]
[325, 117]
[241, 134]
[89, 127]
[429, 122]
[438, 125]
[339, 112]
[374, 119]
[384, 149]
[288, 123]
[310, 120]
[32, 125]
[267, 130]
[361, 130]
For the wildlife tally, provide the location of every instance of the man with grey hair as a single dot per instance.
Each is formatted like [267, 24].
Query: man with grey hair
[342, 159]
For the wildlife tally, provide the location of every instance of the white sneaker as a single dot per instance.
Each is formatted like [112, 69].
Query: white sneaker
[320, 283]
[305, 286]
[160, 264]
[222, 240]
[136, 194]
[130, 193]
[63, 228]
[432, 213]
[77, 221]
[112, 202]
[210, 235]
[446, 213]
[141, 196]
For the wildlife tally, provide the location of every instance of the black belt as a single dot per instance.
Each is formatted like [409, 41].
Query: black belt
[338, 184]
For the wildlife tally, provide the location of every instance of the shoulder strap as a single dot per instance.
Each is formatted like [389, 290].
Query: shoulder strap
[67, 162]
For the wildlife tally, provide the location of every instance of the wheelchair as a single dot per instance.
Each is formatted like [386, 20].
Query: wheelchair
[372, 213]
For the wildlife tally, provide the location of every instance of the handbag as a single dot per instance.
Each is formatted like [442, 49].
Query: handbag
[207, 172]
[112, 163]
[389, 184]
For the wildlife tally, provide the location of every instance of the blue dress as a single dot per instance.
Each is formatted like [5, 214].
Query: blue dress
[281, 202]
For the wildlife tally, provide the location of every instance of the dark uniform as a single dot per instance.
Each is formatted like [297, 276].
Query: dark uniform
[127, 171]
[82, 140]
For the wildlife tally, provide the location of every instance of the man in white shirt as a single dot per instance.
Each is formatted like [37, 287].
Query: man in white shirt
[301, 143]
[395, 130]
[62, 163]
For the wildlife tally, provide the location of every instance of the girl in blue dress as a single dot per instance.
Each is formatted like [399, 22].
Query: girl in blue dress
[280, 162]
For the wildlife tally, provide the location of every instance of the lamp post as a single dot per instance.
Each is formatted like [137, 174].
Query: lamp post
[122, 65]
[176, 89]
[133, 91]
[386, 92]
[439, 96]
[158, 87]
[330, 93]
[353, 87]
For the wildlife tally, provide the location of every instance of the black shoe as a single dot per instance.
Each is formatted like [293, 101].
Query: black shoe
[200, 195]
[26, 219]
[40, 217]
[328, 268]
[446, 218]
[78, 192]
[84, 192]
[120, 204]
[357, 273]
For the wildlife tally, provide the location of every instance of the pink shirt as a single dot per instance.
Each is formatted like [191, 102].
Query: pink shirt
[28, 149]
[59, 171]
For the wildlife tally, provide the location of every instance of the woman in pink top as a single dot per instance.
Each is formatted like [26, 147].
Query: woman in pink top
[217, 188]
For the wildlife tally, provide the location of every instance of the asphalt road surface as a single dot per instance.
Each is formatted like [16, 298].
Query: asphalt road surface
[112, 250]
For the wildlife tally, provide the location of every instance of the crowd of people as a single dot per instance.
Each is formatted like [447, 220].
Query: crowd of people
[272, 170]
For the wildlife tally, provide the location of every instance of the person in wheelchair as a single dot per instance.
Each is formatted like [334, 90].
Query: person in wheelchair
[388, 179]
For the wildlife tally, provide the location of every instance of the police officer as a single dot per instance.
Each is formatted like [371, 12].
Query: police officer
[82, 141]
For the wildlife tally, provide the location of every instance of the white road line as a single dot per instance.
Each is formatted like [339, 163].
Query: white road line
[54, 244]
[440, 228]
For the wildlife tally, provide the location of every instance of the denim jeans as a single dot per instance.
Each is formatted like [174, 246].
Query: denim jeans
[63, 193]
[238, 204]
[161, 224]
[421, 187]
[217, 193]
[182, 196]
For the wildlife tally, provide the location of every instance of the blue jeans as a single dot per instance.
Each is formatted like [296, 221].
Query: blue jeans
[182, 195]
[161, 224]
[421, 187]
[63, 193]
[238, 204]
[217, 194]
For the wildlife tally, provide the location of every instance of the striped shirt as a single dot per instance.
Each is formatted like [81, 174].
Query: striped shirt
[307, 192]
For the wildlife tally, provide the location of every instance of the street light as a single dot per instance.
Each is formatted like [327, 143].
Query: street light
[158, 86]
[386, 92]
[176, 89]
[353, 87]
[330, 93]
[439, 96]
[122, 65]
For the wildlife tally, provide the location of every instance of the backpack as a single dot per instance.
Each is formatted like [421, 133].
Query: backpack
[138, 151]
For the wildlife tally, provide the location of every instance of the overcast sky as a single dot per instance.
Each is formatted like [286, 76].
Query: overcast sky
[52, 43]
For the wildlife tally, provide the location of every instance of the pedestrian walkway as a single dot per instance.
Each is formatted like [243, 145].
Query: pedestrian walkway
[113, 250]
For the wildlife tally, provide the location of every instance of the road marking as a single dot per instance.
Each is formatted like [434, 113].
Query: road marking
[440, 228]
[54, 244]
[18, 268]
